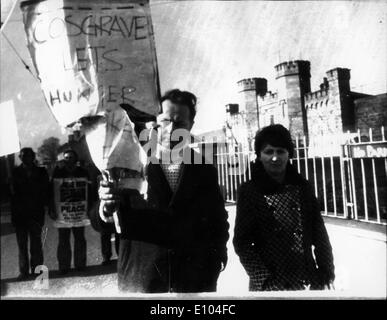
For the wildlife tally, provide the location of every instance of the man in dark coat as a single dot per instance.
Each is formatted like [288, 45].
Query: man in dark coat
[175, 241]
[30, 187]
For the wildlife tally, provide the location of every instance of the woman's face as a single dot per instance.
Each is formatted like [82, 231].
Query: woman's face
[274, 159]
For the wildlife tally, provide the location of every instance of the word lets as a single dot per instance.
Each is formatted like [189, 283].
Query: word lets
[102, 59]
[135, 27]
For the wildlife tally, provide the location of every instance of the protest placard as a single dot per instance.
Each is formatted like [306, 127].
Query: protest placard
[91, 56]
[70, 196]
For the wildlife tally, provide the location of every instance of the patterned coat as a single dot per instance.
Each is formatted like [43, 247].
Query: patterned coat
[278, 229]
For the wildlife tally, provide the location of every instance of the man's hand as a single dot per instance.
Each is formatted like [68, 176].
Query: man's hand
[109, 197]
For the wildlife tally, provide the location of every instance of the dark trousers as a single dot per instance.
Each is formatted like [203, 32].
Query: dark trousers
[33, 231]
[64, 248]
[169, 274]
[106, 246]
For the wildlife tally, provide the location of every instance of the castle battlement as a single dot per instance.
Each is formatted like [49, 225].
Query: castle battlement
[259, 85]
[330, 108]
[247, 84]
[293, 67]
[270, 97]
[316, 95]
[339, 73]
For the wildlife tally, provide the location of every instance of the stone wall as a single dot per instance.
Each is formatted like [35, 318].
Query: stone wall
[371, 112]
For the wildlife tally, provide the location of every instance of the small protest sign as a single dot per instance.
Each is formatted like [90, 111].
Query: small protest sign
[71, 195]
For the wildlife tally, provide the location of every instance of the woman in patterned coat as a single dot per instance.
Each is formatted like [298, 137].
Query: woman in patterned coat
[280, 235]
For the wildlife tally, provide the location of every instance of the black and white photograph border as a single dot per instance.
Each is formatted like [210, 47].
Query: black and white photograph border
[316, 67]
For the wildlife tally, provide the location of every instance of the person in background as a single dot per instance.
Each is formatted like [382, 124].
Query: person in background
[279, 234]
[67, 171]
[29, 197]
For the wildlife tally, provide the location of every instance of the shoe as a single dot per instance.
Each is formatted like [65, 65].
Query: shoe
[106, 262]
[23, 277]
[63, 271]
[80, 269]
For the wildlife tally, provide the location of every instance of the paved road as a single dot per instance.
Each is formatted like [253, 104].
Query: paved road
[95, 278]
[360, 259]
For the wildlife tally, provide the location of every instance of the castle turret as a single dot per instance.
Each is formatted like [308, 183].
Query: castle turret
[293, 80]
[339, 95]
[249, 89]
[259, 85]
[339, 77]
[232, 108]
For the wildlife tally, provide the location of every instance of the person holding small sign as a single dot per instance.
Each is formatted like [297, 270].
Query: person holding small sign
[70, 210]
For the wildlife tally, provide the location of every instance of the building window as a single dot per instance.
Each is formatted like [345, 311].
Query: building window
[271, 119]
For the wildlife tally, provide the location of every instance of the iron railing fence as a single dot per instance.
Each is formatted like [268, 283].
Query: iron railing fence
[349, 175]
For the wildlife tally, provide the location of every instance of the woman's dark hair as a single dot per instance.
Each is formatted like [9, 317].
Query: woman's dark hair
[275, 135]
[182, 98]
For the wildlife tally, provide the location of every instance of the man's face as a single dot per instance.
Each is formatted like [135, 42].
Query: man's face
[175, 117]
[274, 159]
[27, 157]
[69, 159]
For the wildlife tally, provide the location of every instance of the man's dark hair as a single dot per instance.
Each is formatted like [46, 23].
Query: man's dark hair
[275, 135]
[182, 98]
[27, 150]
[71, 151]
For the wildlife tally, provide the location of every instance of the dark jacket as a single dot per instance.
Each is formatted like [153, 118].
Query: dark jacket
[29, 195]
[266, 245]
[178, 241]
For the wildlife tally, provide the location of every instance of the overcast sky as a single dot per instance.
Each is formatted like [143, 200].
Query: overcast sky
[207, 46]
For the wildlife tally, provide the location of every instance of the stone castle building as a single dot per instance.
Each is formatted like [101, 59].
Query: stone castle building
[329, 111]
